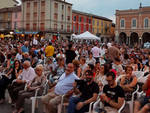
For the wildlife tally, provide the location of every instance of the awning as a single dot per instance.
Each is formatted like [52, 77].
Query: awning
[21, 32]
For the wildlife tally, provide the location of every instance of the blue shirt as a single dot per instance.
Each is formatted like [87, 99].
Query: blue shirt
[65, 83]
[24, 49]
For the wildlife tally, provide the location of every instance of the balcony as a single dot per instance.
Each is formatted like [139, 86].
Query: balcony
[64, 31]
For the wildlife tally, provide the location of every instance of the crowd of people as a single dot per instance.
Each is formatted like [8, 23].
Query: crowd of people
[81, 72]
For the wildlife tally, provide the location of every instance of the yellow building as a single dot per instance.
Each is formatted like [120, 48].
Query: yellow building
[102, 26]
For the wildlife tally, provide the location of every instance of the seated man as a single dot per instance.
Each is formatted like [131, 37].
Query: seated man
[64, 86]
[26, 76]
[89, 91]
[143, 104]
[113, 94]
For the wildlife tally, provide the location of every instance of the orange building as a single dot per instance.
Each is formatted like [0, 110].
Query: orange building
[133, 26]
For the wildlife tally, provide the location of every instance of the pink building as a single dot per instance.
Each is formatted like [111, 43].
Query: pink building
[16, 18]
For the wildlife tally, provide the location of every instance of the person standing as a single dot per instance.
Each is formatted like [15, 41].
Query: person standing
[96, 52]
[70, 54]
[49, 50]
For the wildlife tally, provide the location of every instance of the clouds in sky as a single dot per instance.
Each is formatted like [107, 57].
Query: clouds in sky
[106, 7]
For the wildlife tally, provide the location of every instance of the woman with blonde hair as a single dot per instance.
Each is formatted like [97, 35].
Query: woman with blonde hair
[37, 83]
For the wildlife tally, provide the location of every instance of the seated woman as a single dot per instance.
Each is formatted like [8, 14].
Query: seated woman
[77, 68]
[128, 82]
[8, 78]
[100, 77]
[142, 105]
[38, 82]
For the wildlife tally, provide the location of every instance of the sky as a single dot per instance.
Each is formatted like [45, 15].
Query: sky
[106, 8]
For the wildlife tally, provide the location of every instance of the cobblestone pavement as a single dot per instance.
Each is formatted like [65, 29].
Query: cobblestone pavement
[6, 108]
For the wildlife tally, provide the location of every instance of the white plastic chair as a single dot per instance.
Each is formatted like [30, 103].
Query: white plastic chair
[119, 78]
[33, 99]
[138, 74]
[60, 106]
[101, 105]
[131, 102]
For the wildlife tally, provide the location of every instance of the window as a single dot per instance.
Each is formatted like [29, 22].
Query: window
[55, 16]
[122, 23]
[84, 28]
[42, 3]
[146, 23]
[97, 23]
[101, 31]
[85, 19]
[89, 21]
[74, 28]
[28, 5]
[102, 23]
[97, 30]
[34, 27]
[62, 7]
[27, 27]
[68, 28]
[69, 9]
[15, 25]
[89, 28]
[56, 5]
[74, 18]
[35, 6]
[42, 15]
[134, 23]
[79, 28]
[93, 22]
[68, 18]
[55, 26]
[35, 16]
[93, 30]
[80, 19]
[62, 27]
[16, 15]
[9, 16]
[62, 17]
[28, 16]
[42, 27]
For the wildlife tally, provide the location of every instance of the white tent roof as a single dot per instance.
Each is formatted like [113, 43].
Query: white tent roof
[87, 35]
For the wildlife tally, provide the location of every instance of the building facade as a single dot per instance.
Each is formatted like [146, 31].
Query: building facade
[133, 26]
[5, 19]
[16, 18]
[98, 25]
[81, 22]
[102, 27]
[53, 17]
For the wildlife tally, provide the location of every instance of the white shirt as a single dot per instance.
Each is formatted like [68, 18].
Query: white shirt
[95, 51]
[35, 42]
[65, 83]
[19, 56]
[90, 61]
[27, 74]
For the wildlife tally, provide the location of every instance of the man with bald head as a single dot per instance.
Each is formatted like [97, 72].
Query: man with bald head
[64, 86]
[26, 76]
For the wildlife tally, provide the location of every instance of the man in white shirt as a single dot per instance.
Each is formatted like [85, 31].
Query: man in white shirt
[63, 87]
[19, 55]
[26, 76]
[96, 52]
